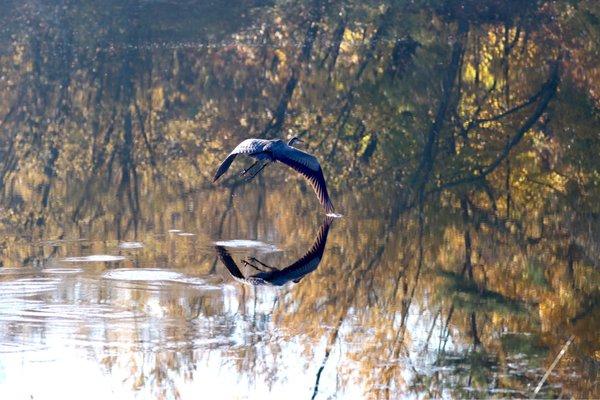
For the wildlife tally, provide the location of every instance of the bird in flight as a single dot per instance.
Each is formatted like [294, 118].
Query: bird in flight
[279, 277]
[269, 151]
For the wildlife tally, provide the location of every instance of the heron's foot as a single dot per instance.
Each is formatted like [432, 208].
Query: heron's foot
[248, 179]
[253, 259]
[245, 171]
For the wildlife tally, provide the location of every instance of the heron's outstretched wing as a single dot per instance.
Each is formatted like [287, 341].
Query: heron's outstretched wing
[224, 166]
[248, 147]
[309, 261]
[233, 269]
[304, 265]
[229, 263]
[307, 165]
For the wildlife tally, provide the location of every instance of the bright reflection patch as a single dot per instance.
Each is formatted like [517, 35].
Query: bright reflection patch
[94, 258]
[130, 245]
[248, 244]
[142, 274]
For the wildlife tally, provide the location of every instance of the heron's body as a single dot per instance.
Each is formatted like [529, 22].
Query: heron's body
[277, 150]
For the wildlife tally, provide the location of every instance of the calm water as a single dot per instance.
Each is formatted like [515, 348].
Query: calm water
[466, 255]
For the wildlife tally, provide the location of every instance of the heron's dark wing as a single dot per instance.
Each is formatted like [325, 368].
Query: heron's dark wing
[224, 166]
[306, 264]
[315, 253]
[309, 167]
[229, 263]
[248, 147]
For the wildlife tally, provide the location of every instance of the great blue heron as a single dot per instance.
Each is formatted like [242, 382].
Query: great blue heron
[269, 151]
[279, 277]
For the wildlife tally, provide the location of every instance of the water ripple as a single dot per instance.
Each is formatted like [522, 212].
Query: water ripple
[248, 244]
[61, 270]
[130, 245]
[157, 275]
[27, 287]
[142, 274]
[94, 258]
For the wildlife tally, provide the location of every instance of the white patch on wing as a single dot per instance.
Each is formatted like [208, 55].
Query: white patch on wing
[334, 215]
[250, 146]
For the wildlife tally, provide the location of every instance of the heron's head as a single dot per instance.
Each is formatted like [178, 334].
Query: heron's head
[295, 139]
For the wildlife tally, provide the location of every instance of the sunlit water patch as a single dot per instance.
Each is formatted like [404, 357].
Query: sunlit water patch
[27, 287]
[143, 274]
[60, 271]
[130, 245]
[60, 314]
[248, 244]
[18, 271]
[94, 258]
[157, 275]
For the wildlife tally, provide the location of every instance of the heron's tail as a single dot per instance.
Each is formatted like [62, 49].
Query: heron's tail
[224, 167]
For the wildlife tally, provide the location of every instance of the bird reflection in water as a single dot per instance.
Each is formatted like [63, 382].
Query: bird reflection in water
[268, 275]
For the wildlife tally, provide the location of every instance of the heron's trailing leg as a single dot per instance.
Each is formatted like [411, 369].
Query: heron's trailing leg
[257, 171]
[244, 171]
[263, 264]
[248, 264]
